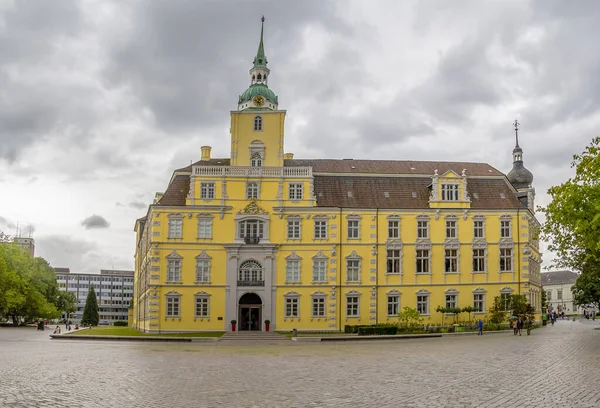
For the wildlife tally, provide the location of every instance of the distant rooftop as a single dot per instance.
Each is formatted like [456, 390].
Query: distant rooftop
[559, 277]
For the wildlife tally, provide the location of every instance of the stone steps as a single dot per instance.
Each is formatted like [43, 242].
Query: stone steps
[254, 336]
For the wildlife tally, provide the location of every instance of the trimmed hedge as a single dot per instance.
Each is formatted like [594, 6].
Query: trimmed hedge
[353, 329]
[120, 323]
[377, 330]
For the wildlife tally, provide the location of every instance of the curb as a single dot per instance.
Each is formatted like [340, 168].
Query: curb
[137, 338]
[390, 337]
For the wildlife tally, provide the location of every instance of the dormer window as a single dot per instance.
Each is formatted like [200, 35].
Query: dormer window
[256, 160]
[449, 192]
[258, 123]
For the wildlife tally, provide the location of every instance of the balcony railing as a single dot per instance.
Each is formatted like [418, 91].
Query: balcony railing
[252, 240]
[239, 171]
[251, 283]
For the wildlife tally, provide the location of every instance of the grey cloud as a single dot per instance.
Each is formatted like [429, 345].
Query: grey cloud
[138, 205]
[95, 221]
[65, 251]
[5, 223]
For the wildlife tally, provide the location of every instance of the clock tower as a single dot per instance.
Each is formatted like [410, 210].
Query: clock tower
[257, 125]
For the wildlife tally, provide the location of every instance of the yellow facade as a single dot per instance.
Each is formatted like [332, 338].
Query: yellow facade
[317, 245]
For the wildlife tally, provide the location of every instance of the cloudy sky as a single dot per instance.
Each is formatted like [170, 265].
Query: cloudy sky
[101, 100]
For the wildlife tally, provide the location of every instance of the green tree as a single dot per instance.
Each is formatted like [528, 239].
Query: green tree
[497, 314]
[67, 303]
[469, 310]
[90, 311]
[586, 289]
[519, 305]
[544, 298]
[409, 318]
[572, 226]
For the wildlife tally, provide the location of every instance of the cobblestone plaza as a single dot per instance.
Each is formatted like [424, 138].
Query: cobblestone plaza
[556, 366]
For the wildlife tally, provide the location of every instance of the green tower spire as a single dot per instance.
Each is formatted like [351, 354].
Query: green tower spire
[261, 59]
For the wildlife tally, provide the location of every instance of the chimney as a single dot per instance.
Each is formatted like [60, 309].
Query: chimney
[205, 155]
[288, 156]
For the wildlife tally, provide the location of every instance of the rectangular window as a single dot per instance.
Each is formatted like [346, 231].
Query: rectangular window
[320, 229]
[422, 261]
[450, 229]
[505, 227]
[252, 190]
[251, 229]
[506, 301]
[353, 270]
[293, 229]
[449, 192]
[291, 307]
[549, 295]
[319, 270]
[201, 307]
[207, 190]
[353, 229]
[479, 260]
[173, 270]
[423, 304]
[204, 228]
[172, 306]
[505, 260]
[478, 230]
[393, 261]
[479, 302]
[451, 301]
[451, 261]
[175, 228]
[318, 307]
[422, 229]
[295, 192]
[202, 270]
[393, 229]
[559, 294]
[292, 271]
[352, 306]
[393, 304]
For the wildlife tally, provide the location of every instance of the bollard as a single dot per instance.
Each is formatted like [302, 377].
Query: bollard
[294, 333]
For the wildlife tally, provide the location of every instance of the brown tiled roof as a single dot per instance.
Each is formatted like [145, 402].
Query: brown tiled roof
[405, 192]
[559, 277]
[393, 167]
[211, 162]
[177, 191]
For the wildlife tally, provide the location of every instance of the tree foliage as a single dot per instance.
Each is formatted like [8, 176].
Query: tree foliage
[90, 311]
[67, 302]
[572, 226]
[28, 287]
[409, 318]
[586, 289]
[497, 314]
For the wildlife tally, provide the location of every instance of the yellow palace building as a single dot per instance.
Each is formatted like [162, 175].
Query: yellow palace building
[320, 244]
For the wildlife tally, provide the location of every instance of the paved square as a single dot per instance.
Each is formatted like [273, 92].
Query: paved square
[557, 366]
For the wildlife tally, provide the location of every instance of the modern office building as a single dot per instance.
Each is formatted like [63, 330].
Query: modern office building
[319, 244]
[26, 243]
[559, 297]
[114, 290]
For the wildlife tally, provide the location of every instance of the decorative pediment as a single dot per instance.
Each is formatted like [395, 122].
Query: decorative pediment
[319, 294]
[175, 215]
[353, 216]
[173, 293]
[201, 294]
[320, 255]
[506, 217]
[394, 217]
[423, 292]
[506, 243]
[450, 174]
[353, 293]
[354, 255]
[479, 217]
[423, 217]
[321, 217]
[294, 216]
[252, 209]
[451, 243]
[204, 215]
[479, 290]
[174, 255]
[203, 255]
[393, 292]
[292, 295]
[451, 217]
[506, 290]
[293, 257]
[451, 291]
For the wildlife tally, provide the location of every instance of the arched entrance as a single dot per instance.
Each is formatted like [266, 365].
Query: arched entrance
[250, 312]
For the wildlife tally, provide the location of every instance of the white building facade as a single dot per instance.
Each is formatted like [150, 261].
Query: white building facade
[559, 297]
[114, 290]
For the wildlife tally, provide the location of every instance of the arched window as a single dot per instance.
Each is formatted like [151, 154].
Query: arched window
[252, 190]
[253, 78]
[265, 78]
[259, 78]
[250, 271]
[256, 160]
[258, 123]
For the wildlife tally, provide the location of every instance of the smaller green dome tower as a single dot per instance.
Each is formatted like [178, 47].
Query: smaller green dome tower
[258, 95]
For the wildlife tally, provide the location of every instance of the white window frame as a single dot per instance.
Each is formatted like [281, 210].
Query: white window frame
[204, 228]
[258, 123]
[256, 159]
[292, 271]
[393, 259]
[549, 295]
[296, 191]
[244, 224]
[451, 260]
[506, 300]
[505, 228]
[479, 298]
[422, 229]
[319, 269]
[353, 270]
[353, 229]
[202, 305]
[423, 260]
[251, 271]
[252, 190]
[450, 191]
[202, 269]
[451, 298]
[393, 229]
[353, 305]
[319, 305]
[479, 229]
[207, 190]
[504, 258]
[294, 228]
[393, 304]
[451, 229]
[479, 260]
[175, 228]
[423, 303]
[321, 227]
[173, 305]
[292, 307]
[559, 294]
[174, 270]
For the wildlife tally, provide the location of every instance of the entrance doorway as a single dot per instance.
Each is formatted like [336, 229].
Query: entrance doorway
[250, 312]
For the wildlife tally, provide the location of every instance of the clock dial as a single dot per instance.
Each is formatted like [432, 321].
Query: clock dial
[259, 100]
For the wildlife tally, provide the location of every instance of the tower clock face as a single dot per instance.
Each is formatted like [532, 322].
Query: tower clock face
[259, 100]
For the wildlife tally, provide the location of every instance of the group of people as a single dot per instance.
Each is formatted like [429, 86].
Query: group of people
[517, 325]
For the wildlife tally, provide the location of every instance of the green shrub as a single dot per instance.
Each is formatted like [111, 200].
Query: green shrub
[120, 323]
[377, 330]
[353, 329]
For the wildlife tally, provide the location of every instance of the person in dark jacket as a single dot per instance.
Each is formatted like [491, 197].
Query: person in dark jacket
[520, 326]
[480, 327]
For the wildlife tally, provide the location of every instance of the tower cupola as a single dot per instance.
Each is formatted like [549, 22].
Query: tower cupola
[519, 176]
[258, 95]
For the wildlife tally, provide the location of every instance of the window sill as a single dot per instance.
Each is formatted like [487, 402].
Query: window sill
[352, 317]
[506, 271]
[172, 317]
[173, 282]
[202, 318]
[395, 273]
[353, 239]
[202, 283]
[203, 237]
[292, 283]
[293, 239]
[174, 237]
[424, 314]
[482, 272]
[478, 313]
[352, 282]
[452, 273]
[423, 273]
[318, 317]
[324, 282]
[394, 315]
[320, 239]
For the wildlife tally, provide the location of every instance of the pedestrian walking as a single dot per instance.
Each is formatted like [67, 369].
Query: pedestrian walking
[480, 326]
[519, 326]
[514, 326]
